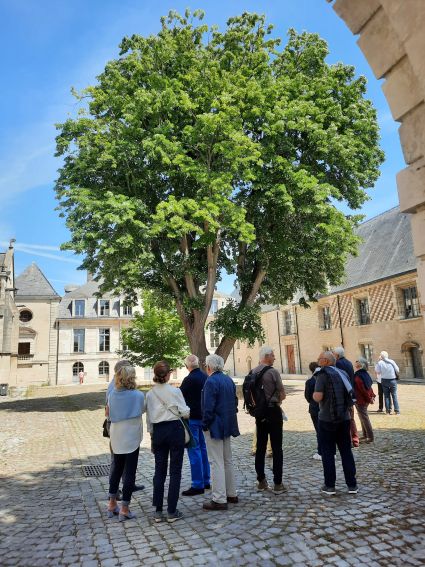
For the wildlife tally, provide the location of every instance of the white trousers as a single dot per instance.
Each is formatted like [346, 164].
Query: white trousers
[222, 472]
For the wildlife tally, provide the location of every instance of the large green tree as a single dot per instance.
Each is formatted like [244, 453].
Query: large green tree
[200, 152]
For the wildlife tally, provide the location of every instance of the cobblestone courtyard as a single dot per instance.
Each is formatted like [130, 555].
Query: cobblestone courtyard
[52, 515]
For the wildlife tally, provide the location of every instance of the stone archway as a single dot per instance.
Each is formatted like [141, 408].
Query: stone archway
[392, 38]
[413, 359]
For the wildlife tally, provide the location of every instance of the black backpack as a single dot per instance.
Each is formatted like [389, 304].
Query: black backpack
[255, 402]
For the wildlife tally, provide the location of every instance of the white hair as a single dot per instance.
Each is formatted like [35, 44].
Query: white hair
[339, 350]
[265, 350]
[191, 361]
[363, 362]
[330, 356]
[384, 354]
[214, 362]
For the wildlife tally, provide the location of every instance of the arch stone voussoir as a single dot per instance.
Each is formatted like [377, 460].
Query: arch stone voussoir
[392, 38]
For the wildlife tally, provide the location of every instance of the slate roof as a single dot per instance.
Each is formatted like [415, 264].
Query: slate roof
[386, 250]
[33, 283]
[89, 289]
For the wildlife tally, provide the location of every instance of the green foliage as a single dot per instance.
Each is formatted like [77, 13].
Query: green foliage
[155, 335]
[239, 323]
[199, 152]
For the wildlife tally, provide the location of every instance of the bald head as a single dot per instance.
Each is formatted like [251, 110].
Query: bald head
[326, 358]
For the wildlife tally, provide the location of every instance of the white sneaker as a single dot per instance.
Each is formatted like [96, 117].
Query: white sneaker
[317, 457]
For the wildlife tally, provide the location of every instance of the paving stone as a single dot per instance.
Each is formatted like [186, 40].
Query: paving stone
[59, 431]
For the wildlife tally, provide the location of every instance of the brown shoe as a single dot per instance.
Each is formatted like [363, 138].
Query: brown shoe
[211, 505]
[232, 499]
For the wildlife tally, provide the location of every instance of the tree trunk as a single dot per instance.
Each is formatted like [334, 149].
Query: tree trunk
[225, 347]
[197, 343]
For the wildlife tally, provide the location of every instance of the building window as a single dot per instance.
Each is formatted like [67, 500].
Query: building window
[363, 316]
[104, 340]
[104, 307]
[24, 349]
[103, 368]
[214, 340]
[77, 367]
[79, 307]
[325, 318]
[214, 307]
[367, 352]
[287, 323]
[25, 316]
[410, 302]
[127, 310]
[79, 335]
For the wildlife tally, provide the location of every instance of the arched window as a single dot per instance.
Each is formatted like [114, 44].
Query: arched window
[77, 367]
[104, 368]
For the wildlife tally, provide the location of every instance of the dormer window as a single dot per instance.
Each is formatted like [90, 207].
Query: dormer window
[127, 310]
[104, 307]
[79, 308]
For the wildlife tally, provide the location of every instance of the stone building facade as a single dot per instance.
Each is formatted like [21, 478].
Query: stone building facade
[37, 303]
[8, 319]
[89, 333]
[377, 308]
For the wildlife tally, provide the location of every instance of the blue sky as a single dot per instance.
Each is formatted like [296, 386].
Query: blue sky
[49, 46]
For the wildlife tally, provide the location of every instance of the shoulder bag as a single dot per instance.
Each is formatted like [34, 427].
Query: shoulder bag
[189, 440]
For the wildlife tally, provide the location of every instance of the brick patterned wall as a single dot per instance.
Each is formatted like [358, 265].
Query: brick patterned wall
[382, 303]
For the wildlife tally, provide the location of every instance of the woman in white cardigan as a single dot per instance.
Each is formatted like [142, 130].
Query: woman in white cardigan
[164, 405]
[124, 408]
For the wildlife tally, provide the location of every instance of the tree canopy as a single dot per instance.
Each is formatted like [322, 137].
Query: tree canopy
[200, 152]
[156, 334]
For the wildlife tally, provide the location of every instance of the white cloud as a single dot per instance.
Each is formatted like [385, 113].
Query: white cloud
[41, 250]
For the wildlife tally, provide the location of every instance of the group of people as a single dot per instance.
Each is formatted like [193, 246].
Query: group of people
[333, 390]
[209, 402]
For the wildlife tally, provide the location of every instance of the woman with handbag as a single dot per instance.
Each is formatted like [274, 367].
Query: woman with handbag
[124, 409]
[165, 406]
[364, 396]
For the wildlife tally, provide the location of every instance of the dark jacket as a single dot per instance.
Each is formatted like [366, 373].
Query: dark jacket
[219, 406]
[313, 407]
[191, 388]
[344, 364]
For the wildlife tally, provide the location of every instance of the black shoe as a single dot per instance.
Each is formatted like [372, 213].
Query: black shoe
[193, 491]
[353, 489]
[207, 487]
[329, 490]
[214, 505]
[138, 487]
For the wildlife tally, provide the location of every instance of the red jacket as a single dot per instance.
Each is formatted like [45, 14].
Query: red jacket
[363, 396]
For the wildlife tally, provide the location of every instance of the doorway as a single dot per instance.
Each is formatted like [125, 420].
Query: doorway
[290, 357]
[416, 362]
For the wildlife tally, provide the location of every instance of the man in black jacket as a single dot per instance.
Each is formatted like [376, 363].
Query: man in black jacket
[191, 389]
[331, 392]
[346, 365]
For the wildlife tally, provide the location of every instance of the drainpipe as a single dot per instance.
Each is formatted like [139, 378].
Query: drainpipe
[57, 355]
[234, 361]
[298, 340]
[278, 338]
[340, 322]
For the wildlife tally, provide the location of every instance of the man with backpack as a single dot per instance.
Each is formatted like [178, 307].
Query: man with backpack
[265, 395]
[334, 393]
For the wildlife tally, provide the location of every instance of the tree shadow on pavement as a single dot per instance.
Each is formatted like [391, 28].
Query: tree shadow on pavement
[69, 403]
[56, 516]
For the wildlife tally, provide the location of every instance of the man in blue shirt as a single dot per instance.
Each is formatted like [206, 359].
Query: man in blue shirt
[219, 423]
[191, 389]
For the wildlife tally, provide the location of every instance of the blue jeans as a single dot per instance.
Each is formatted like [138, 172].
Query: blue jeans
[167, 441]
[332, 435]
[124, 466]
[198, 456]
[390, 391]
